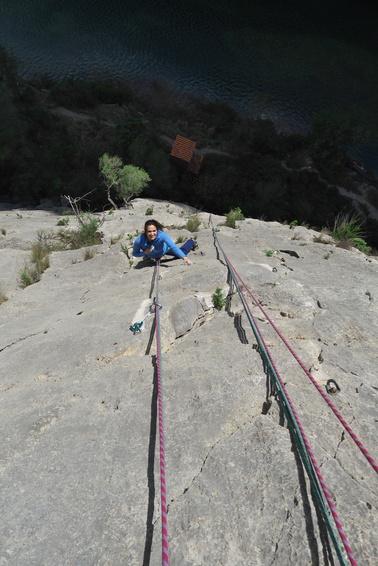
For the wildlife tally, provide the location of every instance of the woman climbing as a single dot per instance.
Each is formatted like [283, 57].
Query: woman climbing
[154, 244]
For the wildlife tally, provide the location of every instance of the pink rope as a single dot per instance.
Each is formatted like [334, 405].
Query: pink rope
[305, 440]
[164, 521]
[358, 442]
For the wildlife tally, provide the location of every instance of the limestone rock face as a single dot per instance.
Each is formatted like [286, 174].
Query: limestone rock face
[79, 455]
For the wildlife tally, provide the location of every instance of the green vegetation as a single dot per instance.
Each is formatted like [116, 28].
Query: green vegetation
[28, 276]
[218, 300]
[63, 222]
[269, 253]
[3, 231]
[149, 211]
[40, 253]
[128, 181]
[343, 126]
[125, 250]
[39, 258]
[86, 94]
[180, 240]
[232, 216]
[265, 174]
[86, 235]
[347, 231]
[193, 223]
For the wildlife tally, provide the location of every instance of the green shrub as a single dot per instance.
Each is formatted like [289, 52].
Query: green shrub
[218, 300]
[88, 230]
[193, 223]
[28, 276]
[63, 222]
[232, 216]
[269, 253]
[149, 211]
[3, 231]
[347, 231]
[346, 227]
[86, 235]
[128, 181]
[40, 257]
[361, 245]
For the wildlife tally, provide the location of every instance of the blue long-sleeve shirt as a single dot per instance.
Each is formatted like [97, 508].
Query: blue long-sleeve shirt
[162, 244]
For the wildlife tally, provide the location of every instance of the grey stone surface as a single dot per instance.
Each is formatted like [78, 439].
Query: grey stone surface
[80, 448]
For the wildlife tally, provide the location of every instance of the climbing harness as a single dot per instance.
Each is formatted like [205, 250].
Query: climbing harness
[321, 492]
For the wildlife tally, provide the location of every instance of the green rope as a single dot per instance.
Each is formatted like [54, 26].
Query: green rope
[295, 432]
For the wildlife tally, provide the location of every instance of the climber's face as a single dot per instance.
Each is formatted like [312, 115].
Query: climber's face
[151, 232]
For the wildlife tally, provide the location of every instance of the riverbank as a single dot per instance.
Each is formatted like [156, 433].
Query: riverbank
[247, 163]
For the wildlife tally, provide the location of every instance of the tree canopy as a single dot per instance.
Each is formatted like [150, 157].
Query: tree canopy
[128, 181]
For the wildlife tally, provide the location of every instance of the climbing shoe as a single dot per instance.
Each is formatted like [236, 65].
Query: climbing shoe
[195, 246]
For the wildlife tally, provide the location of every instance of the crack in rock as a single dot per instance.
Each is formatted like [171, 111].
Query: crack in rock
[280, 536]
[22, 339]
[338, 446]
[186, 489]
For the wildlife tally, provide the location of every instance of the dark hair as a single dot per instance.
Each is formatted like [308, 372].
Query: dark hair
[155, 223]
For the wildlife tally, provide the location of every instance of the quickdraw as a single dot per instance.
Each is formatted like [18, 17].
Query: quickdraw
[136, 327]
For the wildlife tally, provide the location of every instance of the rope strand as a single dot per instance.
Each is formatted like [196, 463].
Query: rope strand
[298, 432]
[164, 521]
[358, 442]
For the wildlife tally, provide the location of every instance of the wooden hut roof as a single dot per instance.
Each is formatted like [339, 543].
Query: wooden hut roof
[183, 148]
[195, 163]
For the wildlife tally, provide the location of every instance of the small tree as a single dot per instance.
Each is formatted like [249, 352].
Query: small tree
[128, 181]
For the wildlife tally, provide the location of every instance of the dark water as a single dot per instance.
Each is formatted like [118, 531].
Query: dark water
[282, 60]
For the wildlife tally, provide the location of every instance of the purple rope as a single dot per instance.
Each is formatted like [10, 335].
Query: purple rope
[304, 437]
[164, 521]
[358, 442]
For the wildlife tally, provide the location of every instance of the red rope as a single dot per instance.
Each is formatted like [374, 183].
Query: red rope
[164, 522]
[305, 440]
[358, 442]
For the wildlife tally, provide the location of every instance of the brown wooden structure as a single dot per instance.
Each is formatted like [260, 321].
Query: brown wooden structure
[184, 150]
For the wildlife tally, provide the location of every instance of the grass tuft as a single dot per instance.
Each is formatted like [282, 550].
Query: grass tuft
[347, 231]
[193, 223]
[232, 216]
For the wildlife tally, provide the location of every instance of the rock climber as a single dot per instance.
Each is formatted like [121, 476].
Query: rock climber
[154, 244]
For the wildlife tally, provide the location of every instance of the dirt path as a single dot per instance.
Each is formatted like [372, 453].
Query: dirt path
[78, 117]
